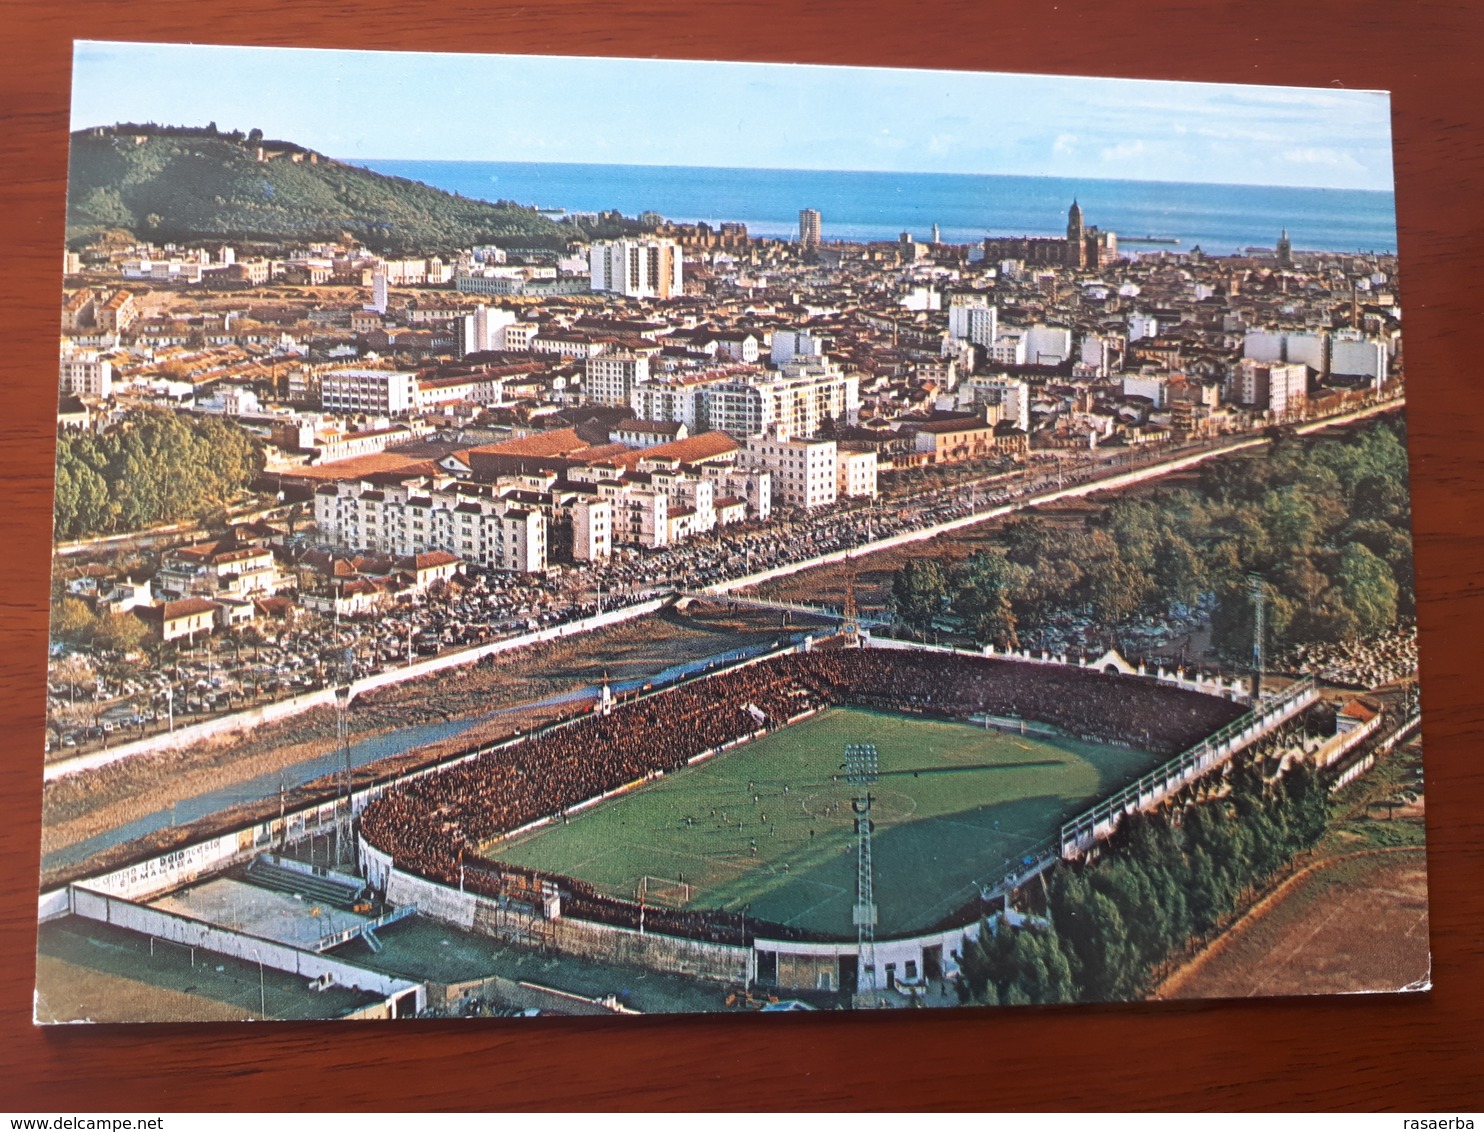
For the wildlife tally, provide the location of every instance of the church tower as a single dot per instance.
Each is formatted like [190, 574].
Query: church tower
[1285, 250]
[1076, 238]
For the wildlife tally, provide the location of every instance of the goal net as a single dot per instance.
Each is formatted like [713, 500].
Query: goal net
[663, 892]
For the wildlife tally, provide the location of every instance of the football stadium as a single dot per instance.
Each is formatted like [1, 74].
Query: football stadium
[830, 819]
[715, 828]
[770, 826]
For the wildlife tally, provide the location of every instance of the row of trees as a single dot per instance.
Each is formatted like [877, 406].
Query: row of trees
[152, 467]
[1326, 522]
[1171, 876]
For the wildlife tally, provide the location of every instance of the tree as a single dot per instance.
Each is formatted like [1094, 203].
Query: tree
[1094, 939]
[72, 620]
[1368, 589]
[983, 591]
[121, 632]
[918, 592]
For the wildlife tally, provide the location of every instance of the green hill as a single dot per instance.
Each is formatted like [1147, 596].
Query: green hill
[178, 183]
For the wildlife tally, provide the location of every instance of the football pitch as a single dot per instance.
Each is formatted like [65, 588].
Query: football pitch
[769, 827]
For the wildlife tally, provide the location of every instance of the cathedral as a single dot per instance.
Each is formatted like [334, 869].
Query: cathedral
[1083, 249]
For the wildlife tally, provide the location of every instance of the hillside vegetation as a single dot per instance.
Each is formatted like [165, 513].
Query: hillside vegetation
[179, 184]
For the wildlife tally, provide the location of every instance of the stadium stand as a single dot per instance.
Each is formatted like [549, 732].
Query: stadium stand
[434, 825]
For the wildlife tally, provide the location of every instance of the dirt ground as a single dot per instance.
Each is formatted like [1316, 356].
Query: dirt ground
[1353, 919]
[1348, 924]
[81, 806]
[825, 585]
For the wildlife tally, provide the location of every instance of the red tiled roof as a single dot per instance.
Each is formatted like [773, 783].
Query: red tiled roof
[186, 607]
[557, 442]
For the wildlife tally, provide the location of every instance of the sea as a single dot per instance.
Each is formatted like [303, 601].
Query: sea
[860, 206]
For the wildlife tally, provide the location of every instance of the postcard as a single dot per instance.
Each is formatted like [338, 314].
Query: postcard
[557, 536]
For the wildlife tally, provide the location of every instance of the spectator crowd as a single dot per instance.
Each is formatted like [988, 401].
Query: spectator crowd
[435, 825]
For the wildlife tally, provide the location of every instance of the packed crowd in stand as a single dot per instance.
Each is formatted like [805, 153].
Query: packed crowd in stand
[1131, 710]
[433, 826]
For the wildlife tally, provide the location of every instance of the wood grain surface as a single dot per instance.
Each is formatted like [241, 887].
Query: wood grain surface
[1414, 1052]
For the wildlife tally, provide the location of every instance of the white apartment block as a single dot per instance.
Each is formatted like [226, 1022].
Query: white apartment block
[163, 270]
[383, 393]
[517, 336]
[1288, 346]
[855, 474]
[1009, 349]
[409, 272]
[483, 329]
[513, 280]
[592, 530]
[85, 373]
[641, 515]
[1097, 352]
[790, 344]
[641, 268]
[1012, 396]
[795, 401]
[1142, 326]
[753, 486]
[664, 502]
[1280, 389]
[972, 318]
[477, 388]
[682, 401]
[1152, 386]
[1353, 356]
[804, 473]
[567, 344]
[612, 378]
[1047, 345]
[422, 514]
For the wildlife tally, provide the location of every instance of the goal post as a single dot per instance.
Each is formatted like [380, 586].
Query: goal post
[663, 892]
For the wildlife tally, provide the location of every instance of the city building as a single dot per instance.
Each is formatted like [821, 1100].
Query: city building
[803, 473]
[1352, 355]
[415, 515]
[794, 401]
[1012, 396]
[955, 439]
[1276, 388]
[973, 318]
[639, 268]
[809, 228]
[483, 330]
[210, 570]
[612, 379]
[385, 393]
[1084, 248]
[85, 373]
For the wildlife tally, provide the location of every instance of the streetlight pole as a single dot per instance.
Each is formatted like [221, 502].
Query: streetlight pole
[262, 995]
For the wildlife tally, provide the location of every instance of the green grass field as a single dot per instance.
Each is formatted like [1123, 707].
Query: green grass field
[769, 825]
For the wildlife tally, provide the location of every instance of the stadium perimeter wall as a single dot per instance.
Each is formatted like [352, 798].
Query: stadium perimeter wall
[243, 721]
[582, 938]
[182, 930]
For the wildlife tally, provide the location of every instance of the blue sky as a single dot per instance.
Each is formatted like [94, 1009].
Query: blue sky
[355, 104]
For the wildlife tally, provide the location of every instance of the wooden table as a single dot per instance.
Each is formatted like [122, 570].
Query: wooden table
[1414, 1052]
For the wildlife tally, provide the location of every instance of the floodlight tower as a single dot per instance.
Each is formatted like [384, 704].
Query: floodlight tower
[343, 826]
[1258, 593]
[861, 771]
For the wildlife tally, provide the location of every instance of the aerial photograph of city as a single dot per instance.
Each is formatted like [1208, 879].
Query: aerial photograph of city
[570, 536]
